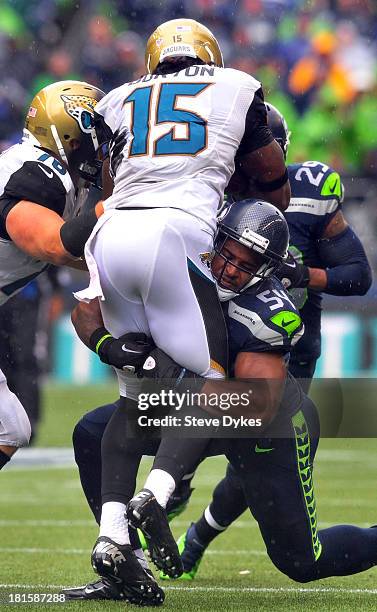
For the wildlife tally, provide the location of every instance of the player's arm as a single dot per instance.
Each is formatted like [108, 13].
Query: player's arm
[127, 352]
[270, 371]
[42, 233]
[31, 209]
[260, 159]
[346, 270]
[260, 377]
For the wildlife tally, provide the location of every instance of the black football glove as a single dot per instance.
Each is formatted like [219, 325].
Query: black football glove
[159, 367]
[126, 353]
[293, 274]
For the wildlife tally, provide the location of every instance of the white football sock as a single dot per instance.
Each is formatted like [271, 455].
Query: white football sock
[161, 484]
[113, 522]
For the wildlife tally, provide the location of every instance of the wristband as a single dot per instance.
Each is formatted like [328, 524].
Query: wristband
[75, 232]
[97, 339]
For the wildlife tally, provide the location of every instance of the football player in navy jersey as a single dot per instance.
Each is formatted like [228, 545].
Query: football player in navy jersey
[325, 256]
[274, 473]
[39, 200]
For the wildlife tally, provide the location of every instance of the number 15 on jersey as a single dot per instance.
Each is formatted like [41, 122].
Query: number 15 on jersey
[187, 134]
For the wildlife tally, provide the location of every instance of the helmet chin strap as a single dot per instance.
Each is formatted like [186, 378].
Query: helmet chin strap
[58, 143]
[227, 294]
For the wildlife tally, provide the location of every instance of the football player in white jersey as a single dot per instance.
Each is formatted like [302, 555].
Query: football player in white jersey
[175, 137]
[39, 196]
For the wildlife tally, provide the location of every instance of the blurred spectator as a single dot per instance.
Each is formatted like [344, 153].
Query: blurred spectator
[317, 60]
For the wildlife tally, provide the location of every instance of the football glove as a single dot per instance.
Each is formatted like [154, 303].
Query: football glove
[293, 274]
[159, 366]
[126, 353]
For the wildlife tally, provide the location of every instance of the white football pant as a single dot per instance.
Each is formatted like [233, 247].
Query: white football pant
[15, 429]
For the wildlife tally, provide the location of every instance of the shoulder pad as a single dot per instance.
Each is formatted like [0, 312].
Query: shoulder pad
[238, 75]
[316, 188]
[269, 315]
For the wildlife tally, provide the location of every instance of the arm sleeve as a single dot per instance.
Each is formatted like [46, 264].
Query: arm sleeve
[347, 267]
[36, 183]
[257, 133]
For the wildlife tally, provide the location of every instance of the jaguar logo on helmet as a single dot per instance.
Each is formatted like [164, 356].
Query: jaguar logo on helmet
[60, 120]
[81, 109]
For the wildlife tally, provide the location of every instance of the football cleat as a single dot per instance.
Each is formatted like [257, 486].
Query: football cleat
[178, 501]
[191, 551]
[104, 588]
[119, 564]
[144, 513]
[177, 504]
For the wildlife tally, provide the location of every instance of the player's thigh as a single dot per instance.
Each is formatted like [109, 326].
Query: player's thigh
[279, 489]
[182, 305]
[122, 256]
[15, 427]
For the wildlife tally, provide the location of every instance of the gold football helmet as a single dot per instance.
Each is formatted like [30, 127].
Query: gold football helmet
[182, 37]
[60, 119]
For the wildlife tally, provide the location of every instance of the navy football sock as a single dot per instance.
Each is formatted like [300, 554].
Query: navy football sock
[228, 503]
[87, 447]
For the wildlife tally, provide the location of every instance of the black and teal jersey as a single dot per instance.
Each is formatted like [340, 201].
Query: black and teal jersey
[262, 319]
[317, 194]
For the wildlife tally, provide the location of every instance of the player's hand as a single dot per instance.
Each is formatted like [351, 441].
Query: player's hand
[293, 274]
[160, 367]
[127, 352]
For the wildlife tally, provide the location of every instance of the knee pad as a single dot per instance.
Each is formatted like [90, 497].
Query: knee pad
[15, 428]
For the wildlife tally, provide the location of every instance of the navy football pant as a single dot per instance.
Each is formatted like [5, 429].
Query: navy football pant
[276, 484]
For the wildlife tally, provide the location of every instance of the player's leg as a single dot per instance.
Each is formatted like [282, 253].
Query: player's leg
[199, 345]
[15, 427]
[141, 264]
[279, 489]
[87, 438]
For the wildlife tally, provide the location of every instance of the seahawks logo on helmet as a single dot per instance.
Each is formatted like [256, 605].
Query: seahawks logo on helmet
[81, 109]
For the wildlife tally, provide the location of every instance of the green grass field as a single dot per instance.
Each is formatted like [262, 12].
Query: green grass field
[47, 531]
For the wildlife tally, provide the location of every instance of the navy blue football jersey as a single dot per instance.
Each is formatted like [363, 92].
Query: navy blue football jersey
[262, 319]
[317, 194]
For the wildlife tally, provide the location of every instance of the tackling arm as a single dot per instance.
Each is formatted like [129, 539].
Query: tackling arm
[261, 376]
[127, 352]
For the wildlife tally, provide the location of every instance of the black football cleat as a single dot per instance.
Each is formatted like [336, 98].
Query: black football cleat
[144, 513]
[119, 564]
[104, 588]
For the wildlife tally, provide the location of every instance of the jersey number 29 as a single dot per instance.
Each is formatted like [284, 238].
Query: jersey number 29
[167, 110]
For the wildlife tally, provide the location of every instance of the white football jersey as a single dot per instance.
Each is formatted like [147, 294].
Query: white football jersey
[176, 137]
[28, 173]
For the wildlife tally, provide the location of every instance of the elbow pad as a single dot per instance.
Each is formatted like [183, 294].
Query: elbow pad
[347, 267]
[75, 232]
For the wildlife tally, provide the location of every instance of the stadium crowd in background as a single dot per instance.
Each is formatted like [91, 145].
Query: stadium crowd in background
[317, 60]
